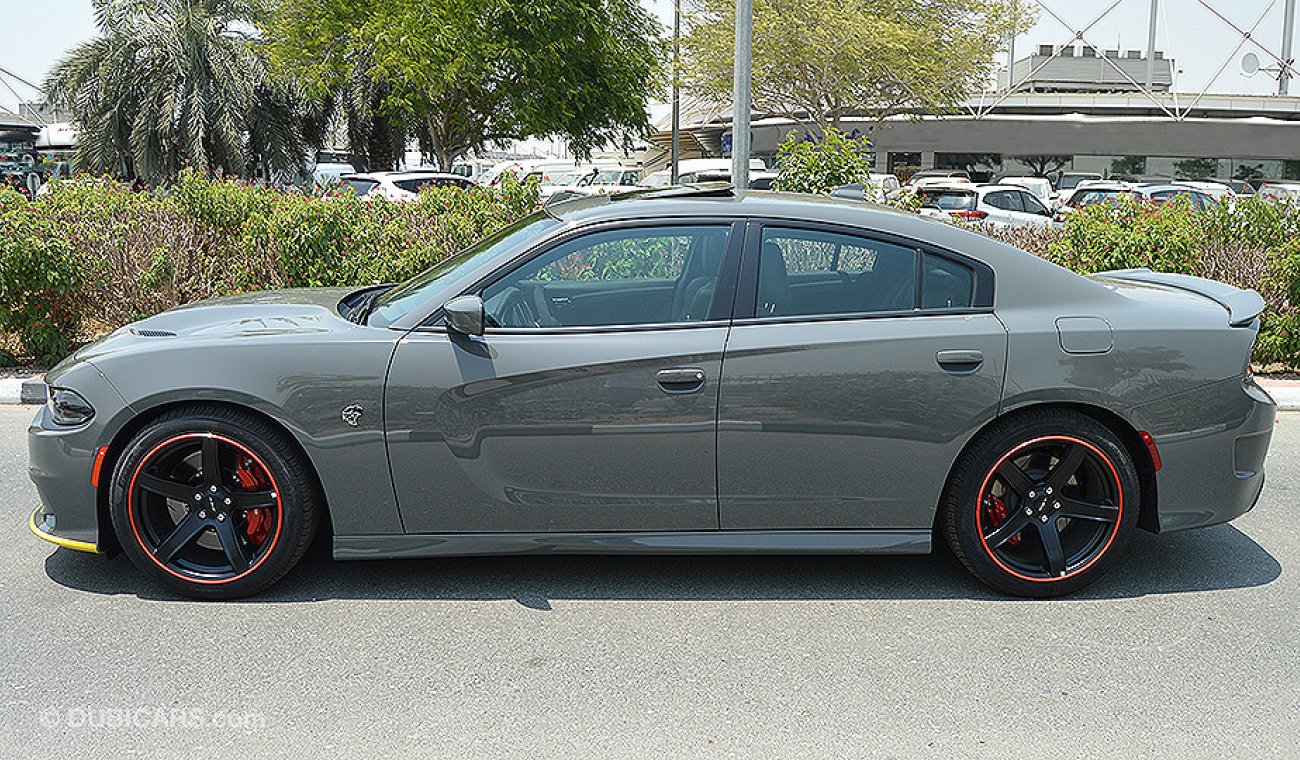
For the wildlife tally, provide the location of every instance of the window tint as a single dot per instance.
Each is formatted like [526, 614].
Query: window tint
[946, 284]
[949, 200]
[419, 183]
[360, 186]
[1033, 205]
[809, 273]
[617, 277]
[1005, 200]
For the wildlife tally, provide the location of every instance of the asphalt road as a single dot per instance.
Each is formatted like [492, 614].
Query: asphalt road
[1190, 648]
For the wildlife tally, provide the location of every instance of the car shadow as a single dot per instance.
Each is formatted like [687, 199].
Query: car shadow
[1217, 558]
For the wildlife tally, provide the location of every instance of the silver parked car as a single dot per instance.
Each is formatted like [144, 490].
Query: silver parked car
[684, 371]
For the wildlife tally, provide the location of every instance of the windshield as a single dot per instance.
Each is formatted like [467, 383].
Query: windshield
[614, 177]
[360, 186]
[397, 302]
[568, 178]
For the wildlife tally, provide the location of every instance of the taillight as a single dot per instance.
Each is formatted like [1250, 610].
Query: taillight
[976, 215]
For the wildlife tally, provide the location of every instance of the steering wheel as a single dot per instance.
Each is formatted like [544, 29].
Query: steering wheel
[513, 310]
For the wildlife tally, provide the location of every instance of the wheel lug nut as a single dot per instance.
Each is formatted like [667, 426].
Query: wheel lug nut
[1028, 511]
[1032, 494]
[1049, 489]
[213, 489]
[1043, 518]
[203, 514]
[198, 497]
[1056, 505]
[221, 517]
[228, 502]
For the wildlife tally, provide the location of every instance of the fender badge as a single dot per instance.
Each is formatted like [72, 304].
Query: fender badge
[352, 414]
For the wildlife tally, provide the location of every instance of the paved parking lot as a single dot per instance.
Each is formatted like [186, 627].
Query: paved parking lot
[1190, 648]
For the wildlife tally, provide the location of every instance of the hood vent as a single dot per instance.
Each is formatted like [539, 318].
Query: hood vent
[152, 333]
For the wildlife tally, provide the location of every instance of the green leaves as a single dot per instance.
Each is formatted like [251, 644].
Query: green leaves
[178, 83]
[463, 74]
[817, 167]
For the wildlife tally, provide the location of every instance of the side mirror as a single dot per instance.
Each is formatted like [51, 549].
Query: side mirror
[465, 314]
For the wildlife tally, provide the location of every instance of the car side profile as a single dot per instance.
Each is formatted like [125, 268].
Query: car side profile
[996, 205]
[400, 186]
[682, 371]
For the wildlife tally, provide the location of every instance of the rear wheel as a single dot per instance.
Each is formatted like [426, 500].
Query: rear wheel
[1042, 504]
[213, 502]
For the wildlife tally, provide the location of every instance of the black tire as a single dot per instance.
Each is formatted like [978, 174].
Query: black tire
[213, 532]
[1079, 485]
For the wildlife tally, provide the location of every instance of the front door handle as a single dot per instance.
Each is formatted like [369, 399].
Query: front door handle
[680, 379]
[960, 360]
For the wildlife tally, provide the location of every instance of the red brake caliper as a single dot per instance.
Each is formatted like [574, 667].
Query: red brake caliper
[995, 511]
[257, 521]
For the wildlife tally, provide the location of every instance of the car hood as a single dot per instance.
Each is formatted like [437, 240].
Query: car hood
[246, 316]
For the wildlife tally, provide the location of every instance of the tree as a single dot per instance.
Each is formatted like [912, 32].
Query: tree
[466, 73]
[818, 61]
[1043, 165]
[1197, 167]
[173, 83]
[1129, 166]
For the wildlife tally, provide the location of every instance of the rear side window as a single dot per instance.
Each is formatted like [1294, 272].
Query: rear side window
[946, 284]
[1005, 200]
[816, 273]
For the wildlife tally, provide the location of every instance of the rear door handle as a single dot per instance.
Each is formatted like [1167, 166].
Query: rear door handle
[960, 359]
[680, 379]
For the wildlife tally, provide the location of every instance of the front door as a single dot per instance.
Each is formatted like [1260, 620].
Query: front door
[863, 370]
[590, 402]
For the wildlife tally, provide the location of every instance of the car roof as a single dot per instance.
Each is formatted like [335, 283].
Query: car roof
[405, 174]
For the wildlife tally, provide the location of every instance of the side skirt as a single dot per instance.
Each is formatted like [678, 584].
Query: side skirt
[698, 542]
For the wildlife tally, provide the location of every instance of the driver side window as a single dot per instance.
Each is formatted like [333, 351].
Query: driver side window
[647, 275]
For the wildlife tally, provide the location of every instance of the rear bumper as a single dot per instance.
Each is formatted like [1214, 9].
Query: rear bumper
[1213, 442]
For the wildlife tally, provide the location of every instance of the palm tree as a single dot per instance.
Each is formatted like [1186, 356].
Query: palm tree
[176, 83]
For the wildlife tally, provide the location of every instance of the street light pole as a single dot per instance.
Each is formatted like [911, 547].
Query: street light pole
[677, 93]
[1151, 43]
[1288, 30]
[741, 95]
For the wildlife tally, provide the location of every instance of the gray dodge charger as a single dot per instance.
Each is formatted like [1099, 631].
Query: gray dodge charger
[684, 371]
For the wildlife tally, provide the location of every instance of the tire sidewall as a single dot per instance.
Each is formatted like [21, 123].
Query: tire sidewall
[964, 499]
[294, 497]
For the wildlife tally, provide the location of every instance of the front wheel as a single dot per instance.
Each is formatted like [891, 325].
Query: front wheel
[213, 503]
[1042, 504]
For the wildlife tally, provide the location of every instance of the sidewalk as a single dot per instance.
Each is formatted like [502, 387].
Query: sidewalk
[31, 390]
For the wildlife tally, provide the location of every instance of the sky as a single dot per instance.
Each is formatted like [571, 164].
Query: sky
[39, 32]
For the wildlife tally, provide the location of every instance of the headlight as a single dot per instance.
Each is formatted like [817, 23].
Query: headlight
[67, 407]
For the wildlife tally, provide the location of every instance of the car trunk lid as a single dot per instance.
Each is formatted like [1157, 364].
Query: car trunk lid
[1243, 306]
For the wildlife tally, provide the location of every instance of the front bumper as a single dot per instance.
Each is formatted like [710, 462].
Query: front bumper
[42, 525]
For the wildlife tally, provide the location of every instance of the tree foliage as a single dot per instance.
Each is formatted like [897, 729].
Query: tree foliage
[819, 167]
[818, 61]
[465, 73]
[173, 83]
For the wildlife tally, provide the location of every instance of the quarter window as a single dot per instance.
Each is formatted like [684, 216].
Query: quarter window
[946, 284]
[616, 277]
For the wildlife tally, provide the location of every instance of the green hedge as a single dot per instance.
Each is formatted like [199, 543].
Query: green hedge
[92, 256]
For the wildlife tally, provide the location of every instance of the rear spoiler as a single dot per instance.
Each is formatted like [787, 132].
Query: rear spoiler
[1242, 305]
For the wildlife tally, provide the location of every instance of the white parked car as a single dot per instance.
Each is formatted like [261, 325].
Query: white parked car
[573, 180]
[1041, 187]
[400, 186]
[613, 180]
[1068, 182]
[1281, 192]
[996, 205]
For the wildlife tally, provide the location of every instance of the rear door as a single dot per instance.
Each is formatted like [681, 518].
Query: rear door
[847, 412]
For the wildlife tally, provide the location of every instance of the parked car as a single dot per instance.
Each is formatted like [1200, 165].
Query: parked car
[614, 375]
[880, 188]
[400, 186]
[1041, 187]
[1110, 192]
[996, 205]
[1283, 192]
[1067, 182]
[937, 174]
[573, 180]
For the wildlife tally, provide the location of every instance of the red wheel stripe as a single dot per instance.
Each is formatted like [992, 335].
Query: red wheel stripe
[130, 507]
[1119, 489]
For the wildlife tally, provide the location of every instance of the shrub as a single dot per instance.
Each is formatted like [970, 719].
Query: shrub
[819, 167]
[92, 256]
[1130, 234]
